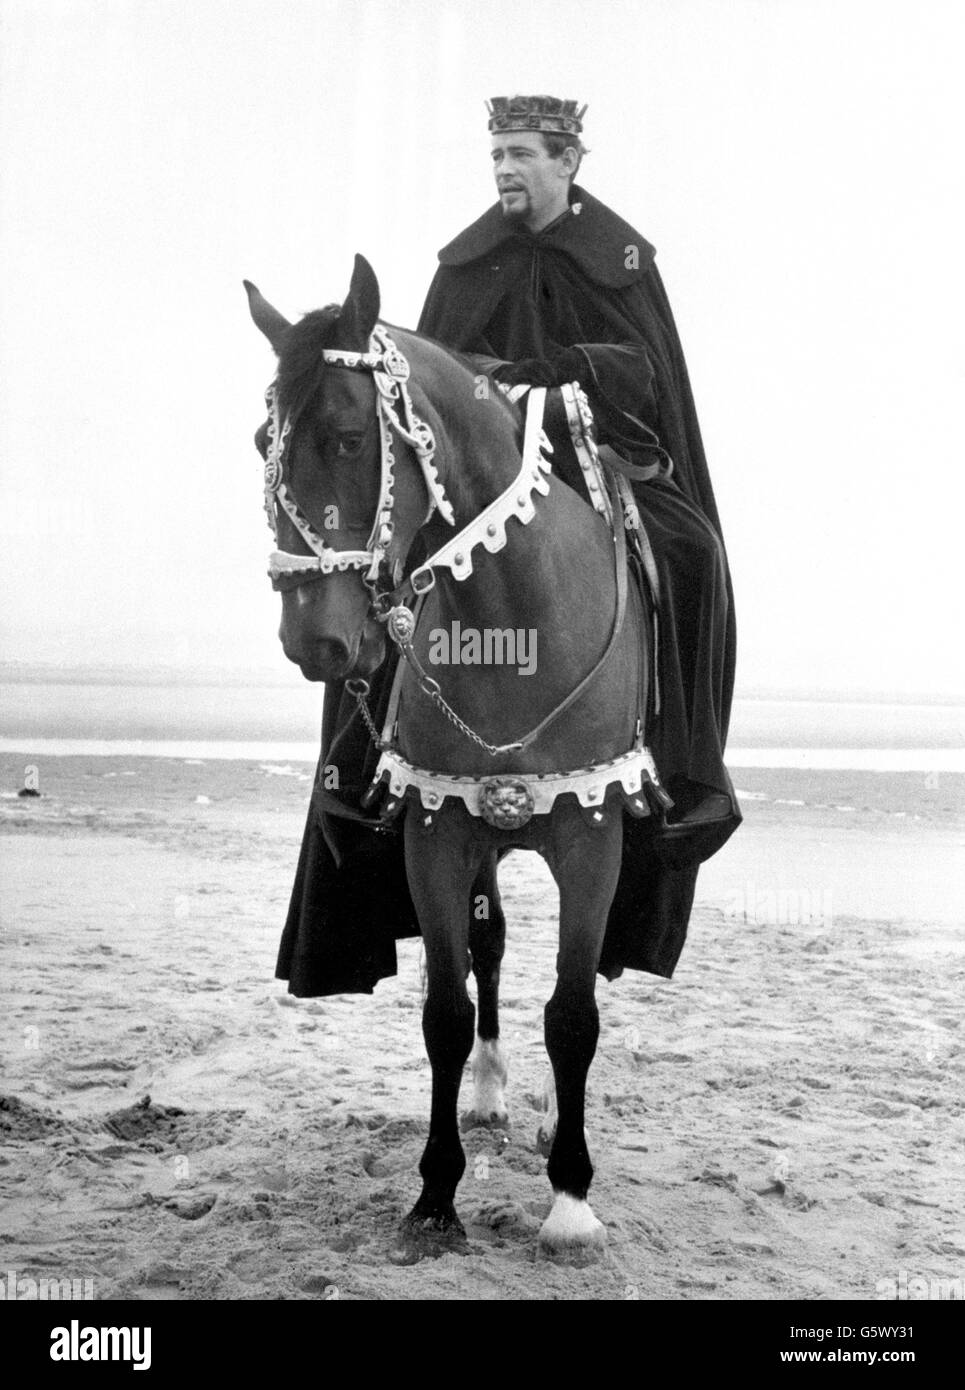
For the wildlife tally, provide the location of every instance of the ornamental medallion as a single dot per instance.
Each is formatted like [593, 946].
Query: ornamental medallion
[401, 623]
[506, 803]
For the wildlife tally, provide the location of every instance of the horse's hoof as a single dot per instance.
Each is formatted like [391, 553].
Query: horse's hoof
[571, 1234]
[429, 1237]
[478, 1119]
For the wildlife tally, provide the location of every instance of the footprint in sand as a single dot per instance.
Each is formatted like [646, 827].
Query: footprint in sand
[191, 1208]
[503, 1218]
[19, 1120]
[376, 1167]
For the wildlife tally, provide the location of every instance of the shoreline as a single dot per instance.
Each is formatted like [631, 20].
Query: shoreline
[282, 676]
[948, 760]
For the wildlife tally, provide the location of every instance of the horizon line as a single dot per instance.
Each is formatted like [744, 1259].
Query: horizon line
[134, 673]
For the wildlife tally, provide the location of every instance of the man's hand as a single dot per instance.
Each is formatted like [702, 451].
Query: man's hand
[562, 365]
[569, 364]
[531, 371]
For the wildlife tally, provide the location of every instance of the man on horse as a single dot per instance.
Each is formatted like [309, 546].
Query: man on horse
[550, 286]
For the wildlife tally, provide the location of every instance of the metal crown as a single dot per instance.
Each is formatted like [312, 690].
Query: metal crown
[550, 114]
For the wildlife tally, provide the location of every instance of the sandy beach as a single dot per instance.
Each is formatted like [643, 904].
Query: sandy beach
[784, 1119]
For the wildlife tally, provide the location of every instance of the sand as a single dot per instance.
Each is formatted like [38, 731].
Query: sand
[784, 1119]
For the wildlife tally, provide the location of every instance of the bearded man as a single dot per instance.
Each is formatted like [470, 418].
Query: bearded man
[558, 288]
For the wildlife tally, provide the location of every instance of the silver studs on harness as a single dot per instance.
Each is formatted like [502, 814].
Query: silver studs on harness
[390, 372]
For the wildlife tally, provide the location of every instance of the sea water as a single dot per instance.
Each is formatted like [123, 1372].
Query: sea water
[257, 721]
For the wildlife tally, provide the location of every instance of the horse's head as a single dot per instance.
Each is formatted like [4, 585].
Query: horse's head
[330, 491]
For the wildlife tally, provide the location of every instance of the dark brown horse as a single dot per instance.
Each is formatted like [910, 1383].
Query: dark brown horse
[541, 563]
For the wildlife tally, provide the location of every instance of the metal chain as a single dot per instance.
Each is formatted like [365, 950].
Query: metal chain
[359, 689]
[492, 749]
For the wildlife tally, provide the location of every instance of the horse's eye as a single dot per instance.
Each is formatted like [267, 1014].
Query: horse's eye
[349, 444]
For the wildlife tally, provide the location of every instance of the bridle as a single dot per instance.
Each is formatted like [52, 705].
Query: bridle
[390, 372]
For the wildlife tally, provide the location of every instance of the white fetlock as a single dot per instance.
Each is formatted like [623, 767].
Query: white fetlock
[571, 1229]
[489, 1076]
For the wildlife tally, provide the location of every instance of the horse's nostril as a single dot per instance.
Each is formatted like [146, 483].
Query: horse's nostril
[327, 655]
[326, 660]
[330, 653]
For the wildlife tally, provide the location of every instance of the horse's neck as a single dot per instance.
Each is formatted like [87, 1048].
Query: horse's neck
[552, 586]
[547, 564]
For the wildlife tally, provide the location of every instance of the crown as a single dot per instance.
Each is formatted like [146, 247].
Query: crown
[535, 113]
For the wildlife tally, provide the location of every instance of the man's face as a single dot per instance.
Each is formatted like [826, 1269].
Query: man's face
[531, 183]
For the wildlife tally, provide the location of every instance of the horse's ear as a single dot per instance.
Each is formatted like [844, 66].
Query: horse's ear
[360, 311]
[266, 316]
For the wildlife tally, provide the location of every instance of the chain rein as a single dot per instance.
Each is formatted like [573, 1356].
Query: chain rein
[400, 624]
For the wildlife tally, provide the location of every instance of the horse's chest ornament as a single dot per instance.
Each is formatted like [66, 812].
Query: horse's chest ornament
[509, 803]
[400, 624]
[506, 803]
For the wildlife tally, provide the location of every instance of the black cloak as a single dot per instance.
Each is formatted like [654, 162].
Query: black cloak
[589, 280]
[503, 293]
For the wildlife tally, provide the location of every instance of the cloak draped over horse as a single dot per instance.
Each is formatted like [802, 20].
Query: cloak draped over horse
[350, 901]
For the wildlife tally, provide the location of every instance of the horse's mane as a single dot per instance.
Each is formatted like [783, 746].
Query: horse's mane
[475, 433]
[300, 361]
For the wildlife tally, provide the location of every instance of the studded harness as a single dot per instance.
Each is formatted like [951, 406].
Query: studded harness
[506, 802]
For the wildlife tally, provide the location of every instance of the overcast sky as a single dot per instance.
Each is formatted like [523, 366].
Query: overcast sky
[797, 164]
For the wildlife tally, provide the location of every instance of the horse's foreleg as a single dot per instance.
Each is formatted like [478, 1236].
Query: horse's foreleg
[586, 865]
[487, 942]
[440, 877]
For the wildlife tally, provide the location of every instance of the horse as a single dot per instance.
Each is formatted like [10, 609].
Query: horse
[376, 439]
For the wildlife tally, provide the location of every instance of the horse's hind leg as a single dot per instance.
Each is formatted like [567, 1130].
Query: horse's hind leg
[586, 865]
[546, 1132]
[487, 942]
[440, 875]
